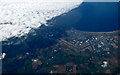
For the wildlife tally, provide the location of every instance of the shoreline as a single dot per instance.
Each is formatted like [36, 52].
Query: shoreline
[115, 31]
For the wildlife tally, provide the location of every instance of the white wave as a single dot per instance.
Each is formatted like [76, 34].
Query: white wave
[18, 17]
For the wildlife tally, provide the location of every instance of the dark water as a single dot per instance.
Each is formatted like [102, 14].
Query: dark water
[92, 16]
[98, 17]
[95, 17]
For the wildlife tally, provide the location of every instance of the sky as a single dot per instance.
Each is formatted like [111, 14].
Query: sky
[101, 0]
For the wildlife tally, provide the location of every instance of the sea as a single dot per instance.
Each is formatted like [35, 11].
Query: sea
[89, 16]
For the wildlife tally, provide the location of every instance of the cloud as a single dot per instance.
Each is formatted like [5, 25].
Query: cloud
[18, 17]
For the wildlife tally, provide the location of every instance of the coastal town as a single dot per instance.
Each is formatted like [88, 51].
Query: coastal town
[76, 52]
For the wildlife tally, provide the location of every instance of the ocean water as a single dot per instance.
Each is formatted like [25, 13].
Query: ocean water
[93, 17]
[90, 16]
